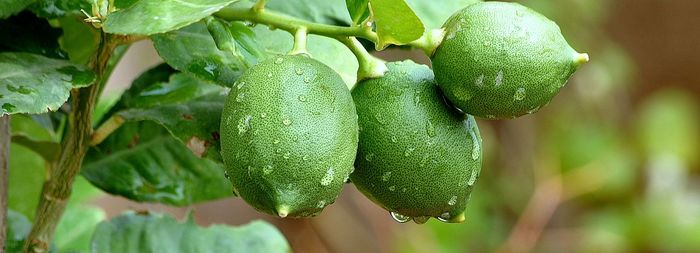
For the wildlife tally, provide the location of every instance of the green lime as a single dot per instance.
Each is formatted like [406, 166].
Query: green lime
[417, 156]
[289, 136]
[502, 60]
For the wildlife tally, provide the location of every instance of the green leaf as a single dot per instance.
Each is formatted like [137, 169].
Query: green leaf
[146, 233]
[32, 83]
[195, 123]
[59, 8]
[434, 13]
[179, 88]
[74, 231]
[46, 149]
[319, 11]
[79, 40]
[17, 229]
[396, 23]
[17, 36]
[358, 9]
[10, 7]
[148, 17]
[192, 50]
[143, 162]
[26, 178]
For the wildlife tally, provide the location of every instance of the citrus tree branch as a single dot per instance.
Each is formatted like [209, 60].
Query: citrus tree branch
[428, 42]
[61, 173]
[4, 173]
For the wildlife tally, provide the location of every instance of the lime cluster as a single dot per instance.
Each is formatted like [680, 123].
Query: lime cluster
[293, 134]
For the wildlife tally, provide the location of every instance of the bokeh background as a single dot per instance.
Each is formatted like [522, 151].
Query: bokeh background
[611, 165]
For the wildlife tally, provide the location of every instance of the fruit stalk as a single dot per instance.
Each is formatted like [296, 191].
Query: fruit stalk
[61, 173]
[369, 66]
[4, 173]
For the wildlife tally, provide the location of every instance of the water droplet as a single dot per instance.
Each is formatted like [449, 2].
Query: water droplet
[244, 124]
[307, 79]
[328, 178]
[302, 98]
[416, 99]
[386, 176]
[287, 121]
[240, 97]
[226, 175]
[452, 201]
[476, 147]
[519, 94]
[400, 218]
[534, 110]
[305, 158]
[286, 155]
[408, 152]
[269, 74]
[479, 80]
[421, 219]
[499, 78]
[263, 115]
[276, 141]
[369, 157]
[487, 43]
[267, 169]
[392, 188]
[430, 129]
[321, 204]
[474, 176]
[444, 217]
[379, 118]
[299, 71]
[394, 139]
[279, 60]
[279, 150]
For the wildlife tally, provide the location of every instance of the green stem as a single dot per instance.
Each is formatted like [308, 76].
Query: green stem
[292, 24]
[61, 173]
[299, 42]
[259, 6]
[107, 128]
[4, 174]
[369, 66]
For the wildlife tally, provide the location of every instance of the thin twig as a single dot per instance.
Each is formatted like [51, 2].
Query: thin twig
[4, 174]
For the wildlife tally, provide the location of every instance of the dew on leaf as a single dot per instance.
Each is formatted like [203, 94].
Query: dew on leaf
[400, 218]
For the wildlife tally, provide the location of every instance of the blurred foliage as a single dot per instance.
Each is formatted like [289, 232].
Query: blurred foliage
[641, 154]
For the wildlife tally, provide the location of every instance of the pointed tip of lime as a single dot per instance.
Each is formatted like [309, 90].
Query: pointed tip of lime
[459, 218]
[580, 59]
[282, 211]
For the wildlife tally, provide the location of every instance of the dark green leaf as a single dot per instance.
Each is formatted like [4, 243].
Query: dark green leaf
[396, 23]
[148, 17]
[246, 38]
[10, 7]
[27, 33]
[18, 227]
[320, 11]
[151, 233]
[195, 123]
[79, 40]
[77, 225]
[32, 83]
[46, 149]
[434, 13]
[192, 50]
[358, 9]
[143, 162]
[59, 8]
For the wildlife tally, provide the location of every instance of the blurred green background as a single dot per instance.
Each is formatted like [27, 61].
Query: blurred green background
[611, 165]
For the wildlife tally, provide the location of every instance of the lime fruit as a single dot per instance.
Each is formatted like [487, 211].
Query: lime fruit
[418, 157]
[502, 60]
[289, 136]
